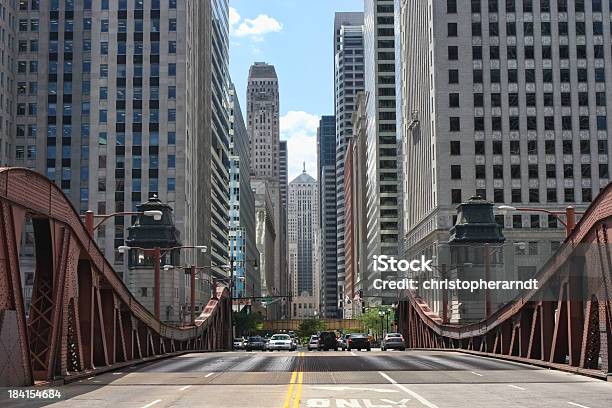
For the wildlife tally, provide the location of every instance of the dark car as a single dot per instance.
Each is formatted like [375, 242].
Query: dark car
[393, 341]
[358, 341]
[327, 340]
[255, 343]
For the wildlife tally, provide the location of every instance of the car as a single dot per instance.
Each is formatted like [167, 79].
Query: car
[255, 343]
[313, 343]
[393, 341]
[327, 340]
[281, 342]
[344, 341]
[358, 341]
[294, 339]
[238, 343]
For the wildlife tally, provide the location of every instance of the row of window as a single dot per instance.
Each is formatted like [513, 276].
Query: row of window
[528, 6]
[528, 29]
[568, 195]
[497, 170]
[528, 52]
[497, 147]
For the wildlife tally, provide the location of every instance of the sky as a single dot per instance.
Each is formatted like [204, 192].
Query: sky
[296, 36]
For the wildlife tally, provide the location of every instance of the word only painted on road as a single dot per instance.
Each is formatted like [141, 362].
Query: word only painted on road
[356, 403]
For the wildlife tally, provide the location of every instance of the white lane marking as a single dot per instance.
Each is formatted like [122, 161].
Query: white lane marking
[185, 387]
[353, 354]
[91, 378]
[150, 404]
[516, 386]
[208, 375]
[117, 373]
[421, 399]
[480, 375]
[577, 405]
[380, 390]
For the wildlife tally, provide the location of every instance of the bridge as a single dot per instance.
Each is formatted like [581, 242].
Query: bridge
[85, 328]
[82, 320]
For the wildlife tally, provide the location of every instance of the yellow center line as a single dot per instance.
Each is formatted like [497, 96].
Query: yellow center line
[298, 375]
[290, 390]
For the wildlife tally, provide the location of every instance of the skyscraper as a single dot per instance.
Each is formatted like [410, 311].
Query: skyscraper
[242, 247]
[302, 227]
[123, 112]
[348, 80]
[263, 128]
[263, 121]
[326, 175]
[283, 162]
[8, 86]
[517, 113]
[381, 166]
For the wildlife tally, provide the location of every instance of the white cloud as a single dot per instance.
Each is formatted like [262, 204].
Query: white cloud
[234, 17]
[299, 128]
[254, 28]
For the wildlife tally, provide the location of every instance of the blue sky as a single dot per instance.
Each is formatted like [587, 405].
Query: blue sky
[296, 36]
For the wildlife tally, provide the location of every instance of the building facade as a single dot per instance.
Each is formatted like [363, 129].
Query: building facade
[117, 104]
[283, 161]
[381, 160]
[9, 88]
[303, 214]
[243, 247]
[326, 174]
[517, 113]
[348, 80]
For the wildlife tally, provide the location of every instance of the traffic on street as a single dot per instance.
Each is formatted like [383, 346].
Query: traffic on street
[333, 379]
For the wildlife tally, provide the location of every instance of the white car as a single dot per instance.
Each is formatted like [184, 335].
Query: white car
[238, 343]
[281, 342]
[313, 343]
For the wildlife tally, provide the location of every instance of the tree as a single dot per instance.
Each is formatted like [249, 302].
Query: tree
[246, 323]
[309, 327]
[371, 320]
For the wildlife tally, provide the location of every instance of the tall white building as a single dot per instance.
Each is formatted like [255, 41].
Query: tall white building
[348, 80]
[511, 105]
[263, 128]
[382, 198]
[303, 213]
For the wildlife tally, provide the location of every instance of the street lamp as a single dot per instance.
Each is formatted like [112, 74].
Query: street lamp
[157, 254]
[570, 215]
[90, 216]
[191, 270]
[382, 327]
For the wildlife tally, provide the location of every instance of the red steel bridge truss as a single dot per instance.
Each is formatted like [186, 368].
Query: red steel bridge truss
[572, 332]
[82, 318]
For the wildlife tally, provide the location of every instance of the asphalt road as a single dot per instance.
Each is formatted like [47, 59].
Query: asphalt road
[375, 379]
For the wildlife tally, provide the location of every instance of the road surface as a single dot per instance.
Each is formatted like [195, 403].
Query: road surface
[341, 379]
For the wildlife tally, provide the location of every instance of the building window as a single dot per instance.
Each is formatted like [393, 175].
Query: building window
[456, 195]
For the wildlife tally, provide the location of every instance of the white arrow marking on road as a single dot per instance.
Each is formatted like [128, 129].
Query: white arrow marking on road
[354, 389]
[480, 375]
[185, 387]
[516, 386]
[208, 375]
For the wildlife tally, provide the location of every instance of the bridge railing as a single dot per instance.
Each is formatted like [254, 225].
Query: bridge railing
[571, 330]
[82, 318]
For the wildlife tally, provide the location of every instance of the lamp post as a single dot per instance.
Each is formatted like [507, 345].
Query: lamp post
[90, 218]
[570, 215]
[382, 327]
[157, 254]
[387, 313]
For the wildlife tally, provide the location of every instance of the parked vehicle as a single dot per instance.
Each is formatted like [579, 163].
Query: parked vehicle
[344, 341]
[238, 343]
[327, 340]
[359, 341]
[255, 343]
[281, 342]
[393, 341]
[313, 343]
